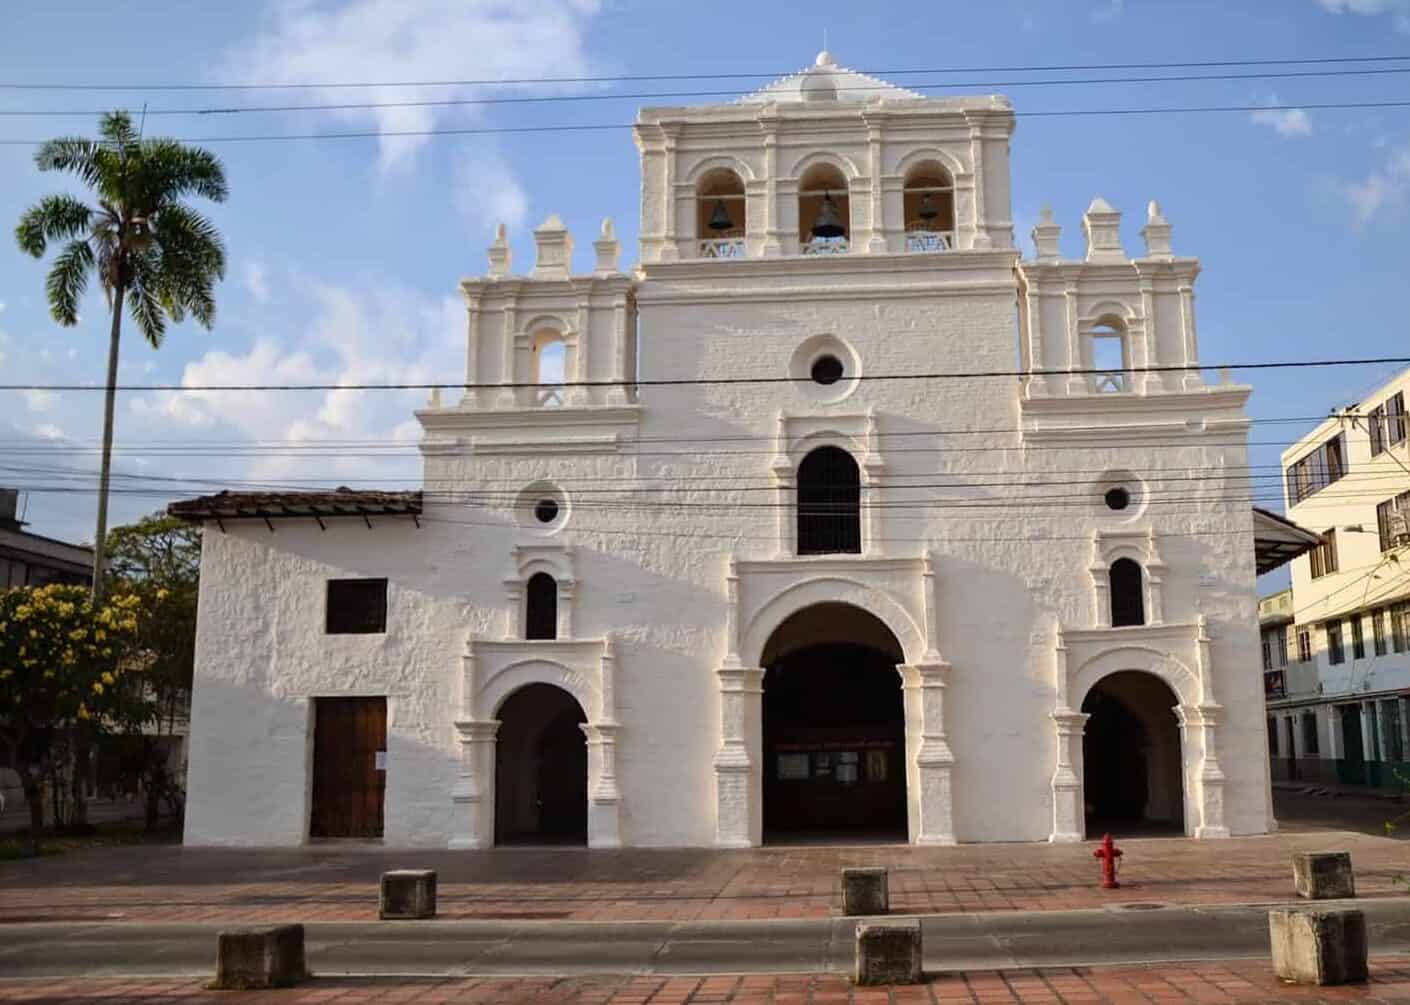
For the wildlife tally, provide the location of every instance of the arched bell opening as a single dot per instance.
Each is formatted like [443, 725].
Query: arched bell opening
[1132, 761]
[721, 214]
[928, 205]
[824, 211]
[834, 733]
[541, 769]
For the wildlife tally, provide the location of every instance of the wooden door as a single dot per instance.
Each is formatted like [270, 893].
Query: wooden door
[349, 780]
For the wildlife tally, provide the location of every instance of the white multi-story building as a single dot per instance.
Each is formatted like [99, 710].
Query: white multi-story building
[749, 570]
[1338, 662]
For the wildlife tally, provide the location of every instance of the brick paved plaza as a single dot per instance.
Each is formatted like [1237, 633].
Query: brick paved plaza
[1208, 983]
[335, 883]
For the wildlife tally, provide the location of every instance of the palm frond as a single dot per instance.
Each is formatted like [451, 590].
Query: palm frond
[144, 298]
[116, 129]
[178, 170]
[192, 260]
[53, 218]
[68, 278]
[74, 154]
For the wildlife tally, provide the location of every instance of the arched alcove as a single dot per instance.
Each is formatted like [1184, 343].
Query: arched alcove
[834, 735]
[541, 607]
[721, 214]
[540, 768]
[1127, 593]
[824, 210]
[928, 207]
[1132, 761]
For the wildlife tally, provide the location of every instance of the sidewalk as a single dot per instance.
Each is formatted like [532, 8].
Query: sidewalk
[1241, 982]
[338, 883]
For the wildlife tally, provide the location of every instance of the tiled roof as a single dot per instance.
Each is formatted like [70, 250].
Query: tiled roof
[278, 505]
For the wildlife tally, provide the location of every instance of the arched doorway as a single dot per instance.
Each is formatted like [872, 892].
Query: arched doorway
[1132, 764]
[834, 733]
[540, 768]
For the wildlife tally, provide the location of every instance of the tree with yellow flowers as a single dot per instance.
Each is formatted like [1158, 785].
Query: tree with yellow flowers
[62, 660]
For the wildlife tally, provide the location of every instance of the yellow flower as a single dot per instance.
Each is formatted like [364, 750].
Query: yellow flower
[99, 635]
[83, 711]
[48, 675]
[163, 594]
[97, 687]
[107, 677]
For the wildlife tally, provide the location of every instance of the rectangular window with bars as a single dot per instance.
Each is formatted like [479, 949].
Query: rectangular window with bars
[1395, 418]
[1400, 627]
[1378, 630]
[1324, 556]
[1393, 520]
[1376, 425]
[356, 607]
[1304, 646]
[1335, 651]
[1358, 639]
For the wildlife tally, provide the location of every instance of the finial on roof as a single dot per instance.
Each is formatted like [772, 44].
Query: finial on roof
[609, 230]
[1156, 232]
[825, 58]
[500, 255]
[608, 251]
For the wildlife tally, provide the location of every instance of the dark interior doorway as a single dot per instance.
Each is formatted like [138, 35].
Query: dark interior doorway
[349, 767]
[541, 768]
[1132, 771]
[834, 735]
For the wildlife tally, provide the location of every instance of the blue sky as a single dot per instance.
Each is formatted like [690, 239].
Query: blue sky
[344, 255]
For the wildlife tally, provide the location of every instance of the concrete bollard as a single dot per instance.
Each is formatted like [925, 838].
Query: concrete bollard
[270, 957]
[865, 891]
[888, 952]
[1323, 875]
[1318, 947]
[407, 894]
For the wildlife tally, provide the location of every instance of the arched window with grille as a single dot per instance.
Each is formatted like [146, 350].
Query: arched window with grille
[541, 607]
[1127, 589]
[829, 503]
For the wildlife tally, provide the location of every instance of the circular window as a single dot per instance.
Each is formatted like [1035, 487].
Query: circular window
[546, 510]
[1117, 498]
[827, 370]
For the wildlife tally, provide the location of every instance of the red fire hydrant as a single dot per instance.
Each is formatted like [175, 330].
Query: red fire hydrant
[1108, 853]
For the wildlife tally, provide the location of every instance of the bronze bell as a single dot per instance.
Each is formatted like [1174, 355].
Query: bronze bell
[719, 217]
[828, 223]
[927, 210]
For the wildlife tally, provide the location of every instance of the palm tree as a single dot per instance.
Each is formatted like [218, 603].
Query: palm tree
[150, 251]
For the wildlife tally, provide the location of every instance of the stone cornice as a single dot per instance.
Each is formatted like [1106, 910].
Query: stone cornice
[453, 420]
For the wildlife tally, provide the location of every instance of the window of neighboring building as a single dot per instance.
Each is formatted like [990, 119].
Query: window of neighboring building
[1324, 557]
[1272, 736]
[1390, 729]
[1388, 528]
[1304, 646]
[1335, 653]
[1309, 733]
[1395, 418]
[829, 503]
[1376, 426]
[1127, 587]
[1317, 470]
[1400, 626]
[1358, 640]
[1267, 651]
[1378, 630]
[541, 607]
[356, 606]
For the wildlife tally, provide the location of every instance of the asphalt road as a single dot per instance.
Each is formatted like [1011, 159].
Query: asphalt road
[997, 940]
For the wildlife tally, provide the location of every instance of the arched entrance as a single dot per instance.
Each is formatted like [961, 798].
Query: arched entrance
[1132, 764]
[540, 768]
[834, 734]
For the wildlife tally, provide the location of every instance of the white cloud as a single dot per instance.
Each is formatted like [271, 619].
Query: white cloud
[257, 282]
[1399, 10]
[391, 40]
[72, 354]
[40, 400]
[1383, 188]
[1283, 121]
[49, 431]
[486, 192]
[1110, 11]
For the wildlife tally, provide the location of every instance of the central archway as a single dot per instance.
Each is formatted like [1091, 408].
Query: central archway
[834, 734]
[540, 768]
[1132, 763]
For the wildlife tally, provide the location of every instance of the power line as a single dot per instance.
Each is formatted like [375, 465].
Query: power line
[718, 381]
[365, 134]
[619, 78]
[980, 86]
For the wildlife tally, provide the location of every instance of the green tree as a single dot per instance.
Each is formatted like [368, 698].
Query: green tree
[158, 560]
[62, 660]
[150, 251]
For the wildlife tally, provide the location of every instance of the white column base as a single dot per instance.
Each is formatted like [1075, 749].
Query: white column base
[472, 797]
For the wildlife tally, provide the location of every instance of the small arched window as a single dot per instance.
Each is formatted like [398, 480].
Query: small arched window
[824, 212]
[928, 205]
[829, 503]
[720, 214]
[1109, 356]
[1127, 589]
[541, 607]
[550, 365]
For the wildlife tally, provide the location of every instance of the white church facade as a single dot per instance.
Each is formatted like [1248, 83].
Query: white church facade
[846, 517]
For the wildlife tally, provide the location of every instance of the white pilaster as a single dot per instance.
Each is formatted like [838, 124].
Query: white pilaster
[929, 760]
[739, 821]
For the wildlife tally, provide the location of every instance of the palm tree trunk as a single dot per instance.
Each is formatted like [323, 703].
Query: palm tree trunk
[110, 399]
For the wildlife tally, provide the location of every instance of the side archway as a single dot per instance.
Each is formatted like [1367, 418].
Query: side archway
[1133, 778]
[541, 768]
